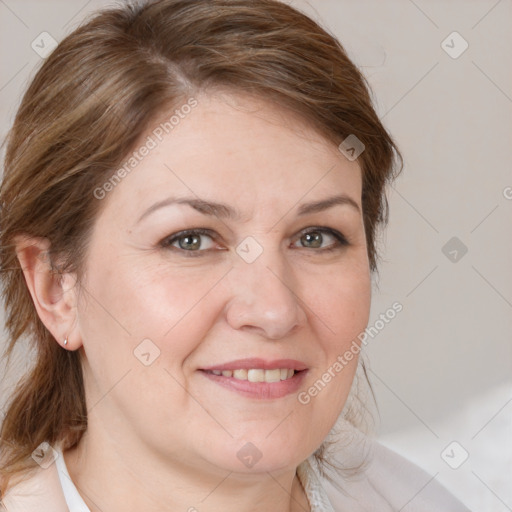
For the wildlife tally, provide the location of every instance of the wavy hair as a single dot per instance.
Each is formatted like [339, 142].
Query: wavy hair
[88, 105]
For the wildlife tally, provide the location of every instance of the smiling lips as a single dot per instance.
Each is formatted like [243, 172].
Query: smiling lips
[259, 378]
[257, 374]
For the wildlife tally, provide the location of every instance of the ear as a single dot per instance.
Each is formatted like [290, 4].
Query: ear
[54, 293]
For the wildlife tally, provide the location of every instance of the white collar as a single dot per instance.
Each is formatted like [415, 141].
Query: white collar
[73, 499]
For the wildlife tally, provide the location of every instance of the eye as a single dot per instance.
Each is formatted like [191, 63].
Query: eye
[194, 240]
[325, 239]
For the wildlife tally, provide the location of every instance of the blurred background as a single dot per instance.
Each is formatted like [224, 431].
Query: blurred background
[442, 82]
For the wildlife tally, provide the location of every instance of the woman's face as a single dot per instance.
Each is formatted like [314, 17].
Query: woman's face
[223, 246]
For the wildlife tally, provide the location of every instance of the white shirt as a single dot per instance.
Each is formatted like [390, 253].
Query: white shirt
[73, 499]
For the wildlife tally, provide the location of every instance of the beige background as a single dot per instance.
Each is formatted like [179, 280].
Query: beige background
[442, 369]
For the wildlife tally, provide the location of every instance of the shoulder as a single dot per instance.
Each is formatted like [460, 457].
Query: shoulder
[36, 491]
[409, 485]
[386, 482]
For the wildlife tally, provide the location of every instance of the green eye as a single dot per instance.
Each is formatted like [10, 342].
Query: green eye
[196, 240]
[312, 240]
[190, 242]
[322, 238]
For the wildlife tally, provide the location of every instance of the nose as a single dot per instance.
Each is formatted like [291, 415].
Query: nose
[265, 298]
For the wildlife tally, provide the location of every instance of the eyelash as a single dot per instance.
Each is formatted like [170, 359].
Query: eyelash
[167, 242]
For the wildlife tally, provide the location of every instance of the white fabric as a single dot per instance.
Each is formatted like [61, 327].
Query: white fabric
[73, 499]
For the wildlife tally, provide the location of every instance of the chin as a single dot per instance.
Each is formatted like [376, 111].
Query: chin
[261, 456]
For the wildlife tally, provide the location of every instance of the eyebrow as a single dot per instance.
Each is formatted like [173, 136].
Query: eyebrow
[224, 211]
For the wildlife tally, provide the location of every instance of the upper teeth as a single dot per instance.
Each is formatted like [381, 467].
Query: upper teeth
[258, 375]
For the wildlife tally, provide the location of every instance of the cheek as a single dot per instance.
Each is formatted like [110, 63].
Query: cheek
[126, 304]
[340, 299]
[130, 301]
[341, 307]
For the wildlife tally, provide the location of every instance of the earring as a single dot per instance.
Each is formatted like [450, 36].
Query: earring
[66, 341]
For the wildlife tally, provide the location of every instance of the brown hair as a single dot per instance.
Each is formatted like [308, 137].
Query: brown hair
[89, 104]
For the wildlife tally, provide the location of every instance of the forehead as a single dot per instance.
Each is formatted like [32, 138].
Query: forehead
[239, 150]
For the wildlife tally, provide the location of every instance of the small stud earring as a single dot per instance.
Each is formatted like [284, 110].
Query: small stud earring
[66, 341]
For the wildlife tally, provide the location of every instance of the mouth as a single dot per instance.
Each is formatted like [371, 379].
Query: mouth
[257, 374]
[257, 378]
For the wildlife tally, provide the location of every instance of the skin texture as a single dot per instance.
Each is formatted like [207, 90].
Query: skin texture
[165, 437]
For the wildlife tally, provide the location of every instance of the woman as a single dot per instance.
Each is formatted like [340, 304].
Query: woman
[191, 195]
